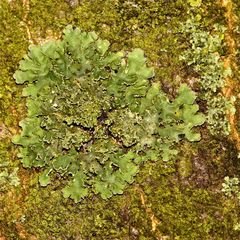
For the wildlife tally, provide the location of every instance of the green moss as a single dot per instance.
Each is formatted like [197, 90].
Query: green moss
[188, 212]
[179, 203]
[182, 210]
[93, 218]
[185, 165]
[13, 45]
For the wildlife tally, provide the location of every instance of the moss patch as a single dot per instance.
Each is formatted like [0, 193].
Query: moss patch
[184, 207]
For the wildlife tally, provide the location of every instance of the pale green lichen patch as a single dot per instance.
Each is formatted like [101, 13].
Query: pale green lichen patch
[204, 56]
[76, 88]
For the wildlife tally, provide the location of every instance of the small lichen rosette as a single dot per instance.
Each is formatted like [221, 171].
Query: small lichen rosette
[94, 116]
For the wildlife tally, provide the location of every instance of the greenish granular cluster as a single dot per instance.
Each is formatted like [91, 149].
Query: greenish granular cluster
[94, 116]
[12, 45]
[8, 178]
[230, 187]
[204, 55]
[8, 168]
[195, 3]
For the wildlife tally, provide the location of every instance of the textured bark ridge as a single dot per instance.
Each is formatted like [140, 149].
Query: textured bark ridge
[232, 88]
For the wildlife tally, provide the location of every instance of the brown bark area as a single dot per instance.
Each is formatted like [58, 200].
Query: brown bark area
[26, 6]
[232, 85]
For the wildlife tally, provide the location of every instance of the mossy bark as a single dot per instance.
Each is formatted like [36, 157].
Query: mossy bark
[181, 199]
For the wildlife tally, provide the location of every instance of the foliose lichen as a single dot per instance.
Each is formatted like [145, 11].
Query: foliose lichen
[94, 115]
